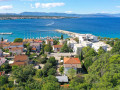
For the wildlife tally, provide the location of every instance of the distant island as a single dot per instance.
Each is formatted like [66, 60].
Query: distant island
[53, 15]
[11, 17]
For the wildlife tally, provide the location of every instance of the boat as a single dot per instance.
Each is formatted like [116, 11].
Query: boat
[6, 33]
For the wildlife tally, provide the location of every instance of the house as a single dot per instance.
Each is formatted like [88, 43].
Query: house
[49, 41]
[86, 43]
[71, 62]
[97, 45]
[71, 43]
[57, 48]
[1, 52]
[77, 48]
[61, 42]
[35, 46]
[20, 60]
[16, 50]
[88, 37]
[16, 44]
[62, 79]
[2, 60]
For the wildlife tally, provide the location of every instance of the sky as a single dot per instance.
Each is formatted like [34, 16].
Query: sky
[60, 6]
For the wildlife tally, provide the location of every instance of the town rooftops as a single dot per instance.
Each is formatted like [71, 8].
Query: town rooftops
[16, 48]
[62, 78]
[15, 44]
[57, 46]
[50, 40]
[21, 58]
[71, 60]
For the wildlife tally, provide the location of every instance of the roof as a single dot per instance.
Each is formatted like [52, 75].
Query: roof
[65, 85]
[62, 78]
[19, 63]
[50, 40]
[34, 49]
[16, 48]
[57, 46]
[21, 58]
[15, 44]
[71, 60]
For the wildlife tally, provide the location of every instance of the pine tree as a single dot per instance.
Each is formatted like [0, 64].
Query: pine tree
[81, 56]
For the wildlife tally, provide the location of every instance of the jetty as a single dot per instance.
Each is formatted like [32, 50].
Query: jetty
[6, 33]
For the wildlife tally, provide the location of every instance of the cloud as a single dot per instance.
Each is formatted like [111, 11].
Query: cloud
[31, 6]
[4, 0]
[6, 7]
[117, 6]
[48, 5]
[68, 11]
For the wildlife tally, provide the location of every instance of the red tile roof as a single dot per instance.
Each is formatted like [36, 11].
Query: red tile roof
[21, 58]
[71, 60]
[57, 46]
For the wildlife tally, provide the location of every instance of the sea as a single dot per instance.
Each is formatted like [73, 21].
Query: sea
[36, 28]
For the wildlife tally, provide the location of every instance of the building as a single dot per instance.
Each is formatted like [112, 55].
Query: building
[16, 50]
[97, 45]
[2, 73]
[61, 42]
[62, 79]
[20, 60]
[57, 48]
[71, 43]
[36, 43]
[71, 62]
[1, 52]
[49, 41]
[86, 43]
[2, 60]
[16, 44]
[77, 48]
[87, 37]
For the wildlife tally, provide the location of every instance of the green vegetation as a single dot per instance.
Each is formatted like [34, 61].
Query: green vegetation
[18, 40]
[62, 37]
[65, 48]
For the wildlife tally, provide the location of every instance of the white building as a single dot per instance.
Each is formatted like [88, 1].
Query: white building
[86, 43]
[71, 43]
[97, 45]
[16, 50]
[1, 52]
[77, 48]
[88, 37]
[2, 60]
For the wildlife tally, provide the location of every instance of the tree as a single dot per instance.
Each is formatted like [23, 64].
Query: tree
[18, 40]
[52, 61]
[51, 71]
[85, 50]
[101, 51]
[21, 74]
[61, 70]
[61, 37]
[81, 56]
[116, 47]
[3, 80]
[65, 48]
[2, 39]
[55, 42]
[5, 67]
[77, 40]
[88, 62]
[91, 52]
[39, 73]
[71, 73]
[48, 48]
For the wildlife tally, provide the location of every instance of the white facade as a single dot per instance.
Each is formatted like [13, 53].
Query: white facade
[77, 48]
[71, 43]
[86, 43]
[88, 37]
[97, 45]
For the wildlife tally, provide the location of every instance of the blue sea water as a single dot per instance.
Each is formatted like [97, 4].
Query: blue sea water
[26, 28]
